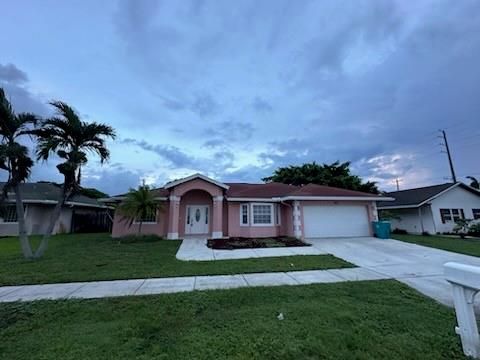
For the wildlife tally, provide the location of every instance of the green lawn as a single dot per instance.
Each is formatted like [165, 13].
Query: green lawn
[83, 257]
[357, 320]
[462, 246]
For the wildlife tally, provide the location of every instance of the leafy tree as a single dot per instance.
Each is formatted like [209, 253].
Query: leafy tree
[474, 182]
[336, 174]
[92, 193]
[71, 139]
[15, 159]
[138, 204]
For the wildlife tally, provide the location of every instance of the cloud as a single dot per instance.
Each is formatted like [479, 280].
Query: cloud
[260, 105]
[178, 159]
[231, 130]
[204, 105]
[15, 83]
[171, 153]
[213, 143]
[11, 74]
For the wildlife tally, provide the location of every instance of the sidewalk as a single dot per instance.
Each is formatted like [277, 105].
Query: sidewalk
[101, 289]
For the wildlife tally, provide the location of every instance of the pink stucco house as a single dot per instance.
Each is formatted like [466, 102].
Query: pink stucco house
[200, 206]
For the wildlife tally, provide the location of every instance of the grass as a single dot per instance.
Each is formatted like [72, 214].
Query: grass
[361, 320]
[456, 244]
[86, 257]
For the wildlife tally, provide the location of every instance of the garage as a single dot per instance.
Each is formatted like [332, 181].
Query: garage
[335, 221]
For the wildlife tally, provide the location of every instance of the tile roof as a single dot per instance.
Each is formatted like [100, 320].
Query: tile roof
[274, 190]
[322, 190]
[267, 190]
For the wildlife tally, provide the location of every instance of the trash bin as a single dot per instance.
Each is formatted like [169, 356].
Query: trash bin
[381, 229]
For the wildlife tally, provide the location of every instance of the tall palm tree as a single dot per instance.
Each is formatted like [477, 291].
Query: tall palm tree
[15, 159]
[138, 204]
[71, 139]
[474, 182]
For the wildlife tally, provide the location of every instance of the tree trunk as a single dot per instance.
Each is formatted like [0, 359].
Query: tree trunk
[22, 231]
[53, 220]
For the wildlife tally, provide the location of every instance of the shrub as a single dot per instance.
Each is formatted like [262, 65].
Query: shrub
[399, 231]
[474, 229]
[462, 227]
[425, 233]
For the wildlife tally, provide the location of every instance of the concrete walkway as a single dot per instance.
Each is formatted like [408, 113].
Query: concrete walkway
[418, 266]
[101, 289]
[195, 249]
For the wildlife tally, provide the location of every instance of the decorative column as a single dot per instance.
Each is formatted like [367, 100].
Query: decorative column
[297, 224]
[173, 217]
[217, 218]
[374, 212]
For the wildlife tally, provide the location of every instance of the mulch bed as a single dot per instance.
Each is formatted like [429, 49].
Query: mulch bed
[254, 243]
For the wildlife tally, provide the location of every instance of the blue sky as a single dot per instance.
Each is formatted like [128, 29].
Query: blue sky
[236, 89]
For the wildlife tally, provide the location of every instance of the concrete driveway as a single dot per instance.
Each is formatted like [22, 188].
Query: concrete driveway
[417, 266]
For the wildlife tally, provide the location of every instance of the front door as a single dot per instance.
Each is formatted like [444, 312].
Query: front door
[197, 219]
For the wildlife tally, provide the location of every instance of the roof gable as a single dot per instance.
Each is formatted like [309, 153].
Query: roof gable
[418, 196]
[193, 177]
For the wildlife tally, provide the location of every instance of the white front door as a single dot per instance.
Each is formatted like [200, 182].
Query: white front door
[197, 219]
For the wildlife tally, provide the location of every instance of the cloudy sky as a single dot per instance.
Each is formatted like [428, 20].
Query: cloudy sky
[234, 89]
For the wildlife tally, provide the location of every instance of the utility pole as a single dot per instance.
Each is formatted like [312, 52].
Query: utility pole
[398, 185]
[444, 135]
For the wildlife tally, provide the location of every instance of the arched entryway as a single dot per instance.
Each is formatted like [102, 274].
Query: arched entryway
[195, 213]
[195, 209]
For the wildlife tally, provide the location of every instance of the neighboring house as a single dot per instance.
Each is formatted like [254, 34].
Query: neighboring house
[198, 205]
[39, 199]
[433, 209]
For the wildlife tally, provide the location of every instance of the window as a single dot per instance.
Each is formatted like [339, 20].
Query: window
[449, 215]
[262, 214]
[149, 217]
[9, 214]
[476, 214]
[244, 214]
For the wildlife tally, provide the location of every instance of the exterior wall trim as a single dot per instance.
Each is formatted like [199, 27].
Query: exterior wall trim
[327, 198]
[195, 176]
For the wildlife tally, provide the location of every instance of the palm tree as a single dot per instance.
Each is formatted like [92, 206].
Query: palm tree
[14, 159]
[70, 138]
[138, 204]
[474, 182]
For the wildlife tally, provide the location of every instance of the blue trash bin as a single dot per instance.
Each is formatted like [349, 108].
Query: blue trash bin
[381, 229]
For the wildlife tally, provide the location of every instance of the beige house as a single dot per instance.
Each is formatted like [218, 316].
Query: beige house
[39, 200]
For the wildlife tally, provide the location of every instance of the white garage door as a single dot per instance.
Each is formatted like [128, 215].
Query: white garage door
[332, 221]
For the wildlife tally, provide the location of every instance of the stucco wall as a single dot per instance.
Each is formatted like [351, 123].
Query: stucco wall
[8, 229]
[120, 228]
[37, 217]
[456, 198]
[235, 229]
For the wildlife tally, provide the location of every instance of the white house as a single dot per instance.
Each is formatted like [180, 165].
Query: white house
[433, 209]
